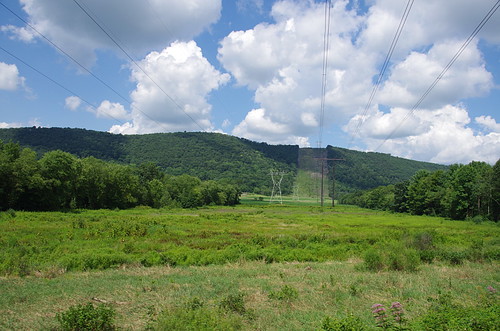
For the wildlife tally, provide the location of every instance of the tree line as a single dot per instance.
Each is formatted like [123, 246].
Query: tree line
[59, 180]
[206, 155]
[461, 192]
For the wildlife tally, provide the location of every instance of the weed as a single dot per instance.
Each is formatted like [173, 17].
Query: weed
[353, 290]
[349, 323]
[194, 303]
[199, 319]
[234, 303]
[443, 314]
[87, 317]
[287, 293]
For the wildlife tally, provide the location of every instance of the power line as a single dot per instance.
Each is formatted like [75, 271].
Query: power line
[446, 68]
[326, 48]
[137, 65]
[55, 82]
[66, 54]
[79, 64]
[385, 65]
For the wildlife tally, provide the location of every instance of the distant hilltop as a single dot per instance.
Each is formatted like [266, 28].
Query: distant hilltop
[219, 156]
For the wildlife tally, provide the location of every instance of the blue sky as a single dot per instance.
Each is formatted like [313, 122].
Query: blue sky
[253, 68]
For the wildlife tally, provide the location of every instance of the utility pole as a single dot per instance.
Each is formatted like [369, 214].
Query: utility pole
[276, 184]
[323, 159]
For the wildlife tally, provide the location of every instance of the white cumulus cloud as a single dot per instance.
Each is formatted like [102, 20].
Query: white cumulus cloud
[489, 123]
[10, 79]
[111, 110]
[440, 135]
[171, 94]
[141, 26]
[286, 77]
[72, 103]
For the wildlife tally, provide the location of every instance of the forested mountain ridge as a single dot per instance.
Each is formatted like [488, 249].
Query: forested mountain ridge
[220, 157]
[204, 155]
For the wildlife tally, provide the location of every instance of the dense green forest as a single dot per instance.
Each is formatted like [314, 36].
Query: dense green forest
[461, 192]
[213, 156]
[60, 180]
[208, 156]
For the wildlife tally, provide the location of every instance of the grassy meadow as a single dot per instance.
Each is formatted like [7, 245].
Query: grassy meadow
[256, 266]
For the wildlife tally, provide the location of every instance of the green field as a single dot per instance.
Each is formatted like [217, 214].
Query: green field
[256, 266]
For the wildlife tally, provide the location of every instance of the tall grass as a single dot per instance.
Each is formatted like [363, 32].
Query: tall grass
[249, 295]
[51, 243]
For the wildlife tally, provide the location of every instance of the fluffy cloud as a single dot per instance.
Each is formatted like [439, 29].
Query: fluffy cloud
[10, 79]
[257, 125]
[72, 103]
[5, 125]
[286, 78]
[111, 110]
[287, 75]
[440, 136]
[141, 26]
[171, 94]
[489, 123]
[410, 78]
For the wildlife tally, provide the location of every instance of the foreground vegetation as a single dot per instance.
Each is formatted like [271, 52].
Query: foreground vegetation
[258, 296]
[262, 266]
[46, 242]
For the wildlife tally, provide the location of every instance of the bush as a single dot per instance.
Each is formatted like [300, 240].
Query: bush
[454, 257]
[423, 241]
[403, 260]
[395, 258]
[373, 260]
[349, 323]
[197, 318]
[443, 314]
[87, 317]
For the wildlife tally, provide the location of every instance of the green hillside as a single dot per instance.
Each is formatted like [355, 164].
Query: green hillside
[219, 156]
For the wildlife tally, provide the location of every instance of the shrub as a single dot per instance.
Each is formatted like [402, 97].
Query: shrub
[403, 260]
[87, 317]
[349, 323]
[427, 256]
[423, 241]
[199, 319]
[395, 258]
[373, 260]
[454, 257]
[443, 314]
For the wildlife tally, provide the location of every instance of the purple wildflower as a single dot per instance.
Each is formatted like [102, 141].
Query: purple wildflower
[379, 312]
[397, 311]
[491, 289]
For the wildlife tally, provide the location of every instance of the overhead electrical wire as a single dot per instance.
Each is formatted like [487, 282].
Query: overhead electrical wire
[466, 43]
[55, 82]
[66, 54]
[137, 65]
[326, 48]
[385, 65]
[78, 64]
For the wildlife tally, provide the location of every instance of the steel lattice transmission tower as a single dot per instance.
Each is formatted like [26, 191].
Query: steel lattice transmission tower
[277, 178]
